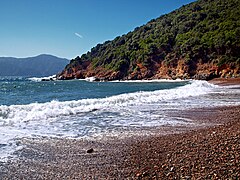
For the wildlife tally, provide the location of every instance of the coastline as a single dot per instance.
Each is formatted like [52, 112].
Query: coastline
[225, 81]
[209, 151]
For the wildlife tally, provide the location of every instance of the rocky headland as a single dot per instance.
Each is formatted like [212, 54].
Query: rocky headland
[198, 41]
[180, 71]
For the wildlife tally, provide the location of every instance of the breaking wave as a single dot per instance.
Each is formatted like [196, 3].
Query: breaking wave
[53, 109]
[38, 79]
[111, 115]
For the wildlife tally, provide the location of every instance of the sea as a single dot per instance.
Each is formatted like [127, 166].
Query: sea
[82, 109]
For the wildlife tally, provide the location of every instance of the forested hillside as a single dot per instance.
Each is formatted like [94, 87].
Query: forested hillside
[200, 40]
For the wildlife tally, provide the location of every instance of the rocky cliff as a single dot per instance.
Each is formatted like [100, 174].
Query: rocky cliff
[200, 40]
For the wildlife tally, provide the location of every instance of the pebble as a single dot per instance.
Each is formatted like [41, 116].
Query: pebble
[90, 150]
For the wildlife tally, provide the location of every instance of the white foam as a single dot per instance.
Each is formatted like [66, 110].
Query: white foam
[43, 111]
[90, 79]
[48, 78]
[96, 116]
[152, 80]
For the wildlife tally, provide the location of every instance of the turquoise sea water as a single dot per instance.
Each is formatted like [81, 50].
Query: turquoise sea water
[81, 109]
[21, 90]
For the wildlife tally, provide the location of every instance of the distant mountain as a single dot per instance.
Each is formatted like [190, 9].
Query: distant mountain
[200, 40]
[42, 65]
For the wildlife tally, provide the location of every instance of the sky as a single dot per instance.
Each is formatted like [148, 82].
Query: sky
[69, 28]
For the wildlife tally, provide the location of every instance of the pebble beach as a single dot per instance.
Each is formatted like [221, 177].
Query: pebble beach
[209, 151]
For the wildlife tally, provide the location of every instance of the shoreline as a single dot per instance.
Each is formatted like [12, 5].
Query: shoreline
[216, 81]
[225, 81]
[211, 150]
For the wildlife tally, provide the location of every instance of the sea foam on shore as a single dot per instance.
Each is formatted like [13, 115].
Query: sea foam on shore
[114, 114]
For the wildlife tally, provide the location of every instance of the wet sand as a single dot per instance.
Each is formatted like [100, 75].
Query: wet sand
[210, 150]
[225, 81]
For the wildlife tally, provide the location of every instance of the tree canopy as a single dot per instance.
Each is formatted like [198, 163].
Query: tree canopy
[206, 30]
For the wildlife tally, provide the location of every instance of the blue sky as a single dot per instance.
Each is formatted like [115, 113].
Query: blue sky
[67, 28]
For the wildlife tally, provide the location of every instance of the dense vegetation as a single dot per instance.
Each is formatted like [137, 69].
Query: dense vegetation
[206, 31]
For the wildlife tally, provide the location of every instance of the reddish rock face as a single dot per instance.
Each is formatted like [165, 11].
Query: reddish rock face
[178, 69]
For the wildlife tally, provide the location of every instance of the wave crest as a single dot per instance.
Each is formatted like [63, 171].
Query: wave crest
[44, 111]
